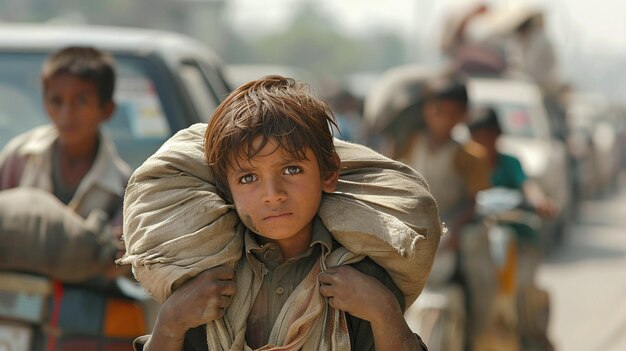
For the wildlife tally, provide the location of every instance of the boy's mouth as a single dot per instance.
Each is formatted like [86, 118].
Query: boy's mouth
[277, 216]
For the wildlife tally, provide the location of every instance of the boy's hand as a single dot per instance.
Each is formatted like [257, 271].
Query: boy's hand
[199, 301]
[358, 294]
[366, 298]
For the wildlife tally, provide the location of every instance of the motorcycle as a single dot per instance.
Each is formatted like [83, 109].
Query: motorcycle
[483, 314]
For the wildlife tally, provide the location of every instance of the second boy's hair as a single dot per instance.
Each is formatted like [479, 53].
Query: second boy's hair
[450, 88]
[86, 63]
[272, 107]
[486, 118]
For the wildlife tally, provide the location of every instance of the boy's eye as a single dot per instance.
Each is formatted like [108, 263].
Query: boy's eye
[292, 170]
[54, 100]
[248, 178]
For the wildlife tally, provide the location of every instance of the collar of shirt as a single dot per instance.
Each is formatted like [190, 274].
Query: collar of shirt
[269, 255]
[105, 171]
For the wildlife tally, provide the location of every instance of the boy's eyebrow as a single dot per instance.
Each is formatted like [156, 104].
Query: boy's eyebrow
[238, 168]
[291, 159]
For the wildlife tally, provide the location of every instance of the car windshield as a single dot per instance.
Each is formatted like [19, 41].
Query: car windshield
[138, 127]
[515, 120]
[519, 106]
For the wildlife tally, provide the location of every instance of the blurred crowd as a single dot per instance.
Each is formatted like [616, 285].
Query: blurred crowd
[494, 122]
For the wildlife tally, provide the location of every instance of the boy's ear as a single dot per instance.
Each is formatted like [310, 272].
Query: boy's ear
[329, 183]
[107, 110]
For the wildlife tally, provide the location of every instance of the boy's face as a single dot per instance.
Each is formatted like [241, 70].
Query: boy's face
[486, 137]
[276, 195]
[441, 116]
[73, 105]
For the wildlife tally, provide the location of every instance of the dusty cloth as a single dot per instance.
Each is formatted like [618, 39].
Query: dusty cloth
[279, 276]
[279, 281]
[26, 161]
[176, 226]
[283, 276]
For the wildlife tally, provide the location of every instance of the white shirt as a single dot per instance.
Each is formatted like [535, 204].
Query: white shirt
[26, 161]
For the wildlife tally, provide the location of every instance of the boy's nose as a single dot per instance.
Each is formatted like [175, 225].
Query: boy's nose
[66, 112]
[274, 192]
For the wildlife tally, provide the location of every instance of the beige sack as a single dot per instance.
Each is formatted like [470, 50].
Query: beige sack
[175, 225]
[41, 235]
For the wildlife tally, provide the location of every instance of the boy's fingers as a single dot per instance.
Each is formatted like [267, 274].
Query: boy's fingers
[328, 276]
[331, 302]
[228, 288]
[326, 290]
[225, 301]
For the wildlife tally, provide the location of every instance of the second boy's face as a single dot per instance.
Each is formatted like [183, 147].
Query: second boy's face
[73, 105]
[277, 196]
[486, 137]
[441, 116]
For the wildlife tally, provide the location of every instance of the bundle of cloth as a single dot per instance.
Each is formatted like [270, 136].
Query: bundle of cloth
[176, 226]
[39, 234]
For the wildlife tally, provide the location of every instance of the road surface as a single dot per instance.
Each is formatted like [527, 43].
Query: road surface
[586, 278]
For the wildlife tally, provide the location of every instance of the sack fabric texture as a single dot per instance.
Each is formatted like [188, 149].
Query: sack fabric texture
[176, 226]
[35, 227]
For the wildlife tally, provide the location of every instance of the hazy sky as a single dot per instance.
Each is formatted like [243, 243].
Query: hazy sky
[583, 24]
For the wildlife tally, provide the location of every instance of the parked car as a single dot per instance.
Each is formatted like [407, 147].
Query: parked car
[166, 81]
[527, 134]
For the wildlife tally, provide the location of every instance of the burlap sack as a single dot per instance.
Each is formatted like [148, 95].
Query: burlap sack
[39, 234]
[175, 225]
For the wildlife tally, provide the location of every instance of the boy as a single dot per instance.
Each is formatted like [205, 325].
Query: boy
[456, 172]
[75, 162]
[506, 171]
[78, 85]
[272, 154]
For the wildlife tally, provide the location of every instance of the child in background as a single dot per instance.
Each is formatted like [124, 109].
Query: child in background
[456, 172]
[506, 171]
[74, 161]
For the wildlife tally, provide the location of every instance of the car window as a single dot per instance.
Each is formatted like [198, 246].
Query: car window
[520, 120]
[515, 120]
[520, 109]
[199, 90]
[138, 127]
[21, 105]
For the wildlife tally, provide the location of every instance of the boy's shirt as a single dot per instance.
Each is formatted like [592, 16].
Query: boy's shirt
[280, 278]
[508, 172]
[26, 161]
[454, 171]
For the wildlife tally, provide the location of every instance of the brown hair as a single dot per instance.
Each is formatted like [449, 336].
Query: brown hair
[272, 107]
[86, 63]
